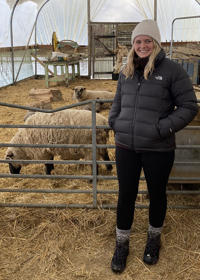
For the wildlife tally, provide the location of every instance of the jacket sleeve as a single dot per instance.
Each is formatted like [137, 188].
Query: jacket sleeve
[184, 98]
[116, 106]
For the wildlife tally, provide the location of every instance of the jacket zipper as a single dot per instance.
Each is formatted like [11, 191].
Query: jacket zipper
[135, 108]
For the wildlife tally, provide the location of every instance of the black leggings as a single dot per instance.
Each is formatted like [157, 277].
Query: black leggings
[156, 167]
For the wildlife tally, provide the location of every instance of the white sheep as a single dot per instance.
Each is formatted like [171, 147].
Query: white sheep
[83, 94]
[58, 136]
[89, 107]
[41, 105]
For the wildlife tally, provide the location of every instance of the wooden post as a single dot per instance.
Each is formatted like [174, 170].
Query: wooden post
[155, 10]
[89, 39]
[42, 63]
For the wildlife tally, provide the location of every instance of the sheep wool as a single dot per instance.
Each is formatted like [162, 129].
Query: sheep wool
[58, 136]
[83, 94]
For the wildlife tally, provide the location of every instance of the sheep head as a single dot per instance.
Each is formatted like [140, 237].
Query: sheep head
[78, 91]
[13, 167]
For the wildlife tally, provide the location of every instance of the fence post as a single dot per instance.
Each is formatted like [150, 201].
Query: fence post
[94, 164]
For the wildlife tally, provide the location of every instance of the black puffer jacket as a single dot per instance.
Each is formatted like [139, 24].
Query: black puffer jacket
[145, 114]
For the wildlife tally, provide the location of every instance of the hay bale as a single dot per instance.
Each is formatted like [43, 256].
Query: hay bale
[45, 95]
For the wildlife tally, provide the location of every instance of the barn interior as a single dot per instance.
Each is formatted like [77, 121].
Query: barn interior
[62, 226]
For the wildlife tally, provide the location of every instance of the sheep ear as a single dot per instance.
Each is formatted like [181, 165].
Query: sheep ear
[14, 170]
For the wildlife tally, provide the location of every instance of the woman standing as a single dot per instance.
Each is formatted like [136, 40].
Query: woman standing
[154, 100]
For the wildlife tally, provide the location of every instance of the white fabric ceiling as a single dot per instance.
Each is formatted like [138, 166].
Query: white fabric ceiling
[69, 18]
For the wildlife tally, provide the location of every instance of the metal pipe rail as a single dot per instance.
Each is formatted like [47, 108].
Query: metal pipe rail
[94, 177]
[80, 162]
[172, 31]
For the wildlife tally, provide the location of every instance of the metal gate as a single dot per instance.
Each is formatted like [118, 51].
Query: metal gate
[194, 162]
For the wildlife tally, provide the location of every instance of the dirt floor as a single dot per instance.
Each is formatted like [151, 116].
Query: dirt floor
[69, 244]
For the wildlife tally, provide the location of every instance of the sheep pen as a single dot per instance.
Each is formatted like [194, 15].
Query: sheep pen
[69, 244]
[57, 136]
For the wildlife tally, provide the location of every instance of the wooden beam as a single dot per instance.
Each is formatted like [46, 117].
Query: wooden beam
[89, 38]
[38, 60]
[155, 10]
[108, 50]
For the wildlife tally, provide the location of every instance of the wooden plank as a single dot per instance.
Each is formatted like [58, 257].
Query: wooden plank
[196, 72]
[42, 63]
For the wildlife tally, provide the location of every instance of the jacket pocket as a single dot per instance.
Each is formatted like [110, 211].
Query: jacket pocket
[122, 126]
[158, 130]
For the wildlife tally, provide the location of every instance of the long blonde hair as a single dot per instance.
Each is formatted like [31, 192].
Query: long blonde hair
[129, 68]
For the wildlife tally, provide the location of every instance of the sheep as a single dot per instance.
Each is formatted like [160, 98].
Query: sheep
[82, 94]
[89, 107]
[41, 105]
[58, 136]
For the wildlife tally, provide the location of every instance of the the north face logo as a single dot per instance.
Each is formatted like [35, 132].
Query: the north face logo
[159, 78]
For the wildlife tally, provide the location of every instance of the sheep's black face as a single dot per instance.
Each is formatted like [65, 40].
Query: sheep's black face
[14, 170]
[79, 91]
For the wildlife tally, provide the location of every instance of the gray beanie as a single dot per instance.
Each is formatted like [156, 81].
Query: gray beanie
[147, 27]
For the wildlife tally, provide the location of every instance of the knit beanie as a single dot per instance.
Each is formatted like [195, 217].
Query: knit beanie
[147, 27]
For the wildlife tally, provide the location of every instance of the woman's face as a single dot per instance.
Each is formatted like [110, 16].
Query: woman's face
[143, 46]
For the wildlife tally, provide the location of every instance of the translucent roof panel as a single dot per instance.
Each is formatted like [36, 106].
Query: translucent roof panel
[69, 18]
